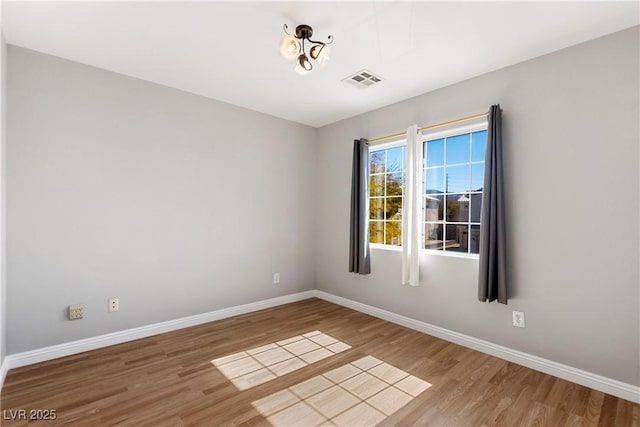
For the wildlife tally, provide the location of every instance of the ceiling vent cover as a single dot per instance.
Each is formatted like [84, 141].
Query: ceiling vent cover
[363, 79]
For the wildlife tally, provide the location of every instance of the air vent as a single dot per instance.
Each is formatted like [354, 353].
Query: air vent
[363, 79]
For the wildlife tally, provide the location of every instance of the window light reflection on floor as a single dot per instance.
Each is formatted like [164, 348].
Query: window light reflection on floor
[363, 392]
[261, 364]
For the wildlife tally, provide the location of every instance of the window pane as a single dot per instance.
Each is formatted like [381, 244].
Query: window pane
[458, 149]
[476, 206]
[376, 161]
[376, 208]
[434, 151]
[457, 179]
[394, 184]
[454, 166]
[376, 185]
[477, 176]
[394, 233]
[386, 190]
[393, 208]
[395, 159]
[474, 243]
[376, 232]
[433, 236]
[433, 208]
[457, 237]
[458, 208]
[434, 181]
[479, 145]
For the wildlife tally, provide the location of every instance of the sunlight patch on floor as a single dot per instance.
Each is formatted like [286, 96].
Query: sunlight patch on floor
[360, 393]
[261, 364]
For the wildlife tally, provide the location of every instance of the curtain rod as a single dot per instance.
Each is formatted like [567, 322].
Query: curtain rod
[439, 125]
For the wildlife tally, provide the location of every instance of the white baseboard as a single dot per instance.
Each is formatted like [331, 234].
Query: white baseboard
[587, 379]
[578, 376]
[3, 372]
[53, 352]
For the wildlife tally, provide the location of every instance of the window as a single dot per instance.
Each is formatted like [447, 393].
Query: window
[386, 184]
[452, 186]
[453, 181]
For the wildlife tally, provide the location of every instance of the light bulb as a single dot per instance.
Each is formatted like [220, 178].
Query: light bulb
[304, 62]
[301, 66]
[315, 51]
[324, 56]
[289, 47]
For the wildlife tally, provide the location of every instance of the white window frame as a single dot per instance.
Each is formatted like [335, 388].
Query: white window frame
[379, 147]
[437, 134]
[424, 137]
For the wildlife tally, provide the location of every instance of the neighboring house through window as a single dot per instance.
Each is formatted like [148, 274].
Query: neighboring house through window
[453, 176]
[453, 180]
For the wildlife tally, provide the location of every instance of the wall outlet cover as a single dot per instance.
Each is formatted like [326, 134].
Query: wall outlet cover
[518, 319]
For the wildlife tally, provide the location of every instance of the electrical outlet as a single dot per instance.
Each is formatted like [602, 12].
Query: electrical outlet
[518, 319]
[276, 278]
[76, 311]
[114, 304]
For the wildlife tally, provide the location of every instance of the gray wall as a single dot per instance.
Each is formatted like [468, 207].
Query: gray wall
[571, 150]
[174, 203]
[181, 205]
[3, 192]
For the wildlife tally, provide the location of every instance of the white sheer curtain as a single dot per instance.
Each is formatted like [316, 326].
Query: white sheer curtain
[412, 209]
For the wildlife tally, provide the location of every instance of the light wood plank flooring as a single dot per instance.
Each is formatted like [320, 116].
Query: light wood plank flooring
[170, 380]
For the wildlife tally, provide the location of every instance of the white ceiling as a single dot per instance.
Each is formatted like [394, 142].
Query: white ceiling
[229, 50]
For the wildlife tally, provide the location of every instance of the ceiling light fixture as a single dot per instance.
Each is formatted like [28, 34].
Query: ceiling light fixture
[292, 48]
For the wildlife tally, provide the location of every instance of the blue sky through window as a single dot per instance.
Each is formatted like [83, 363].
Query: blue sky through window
[460, 174]
[395, 159]
[478, 146]
[435, 153]
[458, 149]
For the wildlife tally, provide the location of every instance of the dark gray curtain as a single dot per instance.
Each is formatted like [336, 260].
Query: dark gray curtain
[492, 283]
[359, 261]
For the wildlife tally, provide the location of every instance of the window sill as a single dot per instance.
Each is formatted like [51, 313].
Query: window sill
[450, 254]
[395, 248]
[386, 247]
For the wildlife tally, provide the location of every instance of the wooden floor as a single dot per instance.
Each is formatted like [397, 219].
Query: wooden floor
[169, 380]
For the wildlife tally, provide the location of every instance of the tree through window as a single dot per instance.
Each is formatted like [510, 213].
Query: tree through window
[386, 184]
[453, 177]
